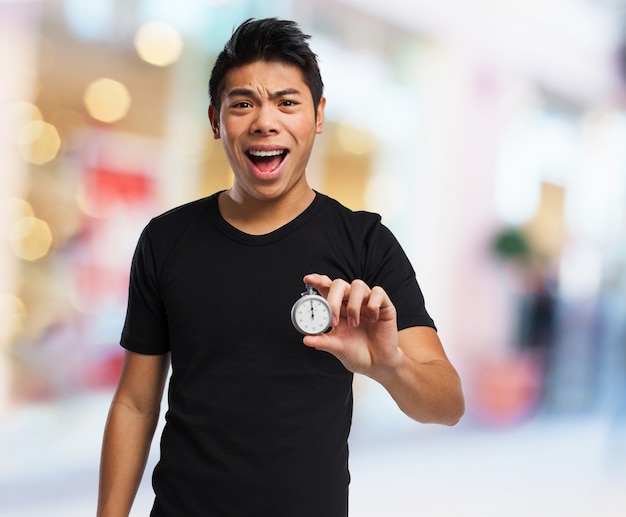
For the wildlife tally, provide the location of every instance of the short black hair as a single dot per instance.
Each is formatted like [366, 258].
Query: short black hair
[271, 40]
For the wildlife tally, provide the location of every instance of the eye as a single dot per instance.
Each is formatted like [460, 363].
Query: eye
[242, 105]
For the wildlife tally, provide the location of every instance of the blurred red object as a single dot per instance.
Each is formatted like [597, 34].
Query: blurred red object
[104, 371]
[507, 390]
[106, 189]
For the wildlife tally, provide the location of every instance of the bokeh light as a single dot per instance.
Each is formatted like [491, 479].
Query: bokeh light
[15, 116]
[107, 100]
[39, 142]
[158, 43]
[14, 315]
[30, 238]
[11, 210]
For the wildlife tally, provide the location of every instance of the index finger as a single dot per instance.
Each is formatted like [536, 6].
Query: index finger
[321, 282]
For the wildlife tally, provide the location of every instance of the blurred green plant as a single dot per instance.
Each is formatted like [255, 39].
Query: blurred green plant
[511, 243]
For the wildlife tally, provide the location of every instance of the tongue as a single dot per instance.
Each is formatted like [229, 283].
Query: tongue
[267, 163]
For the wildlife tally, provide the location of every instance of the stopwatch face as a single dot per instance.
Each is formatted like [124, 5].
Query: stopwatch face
[311, 314]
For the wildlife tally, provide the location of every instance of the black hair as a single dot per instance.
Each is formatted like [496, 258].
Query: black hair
[268, 39]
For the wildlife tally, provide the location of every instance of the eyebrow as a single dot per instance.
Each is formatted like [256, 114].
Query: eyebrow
[245, 92]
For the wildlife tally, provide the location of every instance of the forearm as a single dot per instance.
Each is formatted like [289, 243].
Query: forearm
[411, 363]
[126, 445]
[429, 392]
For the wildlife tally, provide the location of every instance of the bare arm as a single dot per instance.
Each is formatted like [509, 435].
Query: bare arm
[424, 383]
[410, 364]
[128, 433]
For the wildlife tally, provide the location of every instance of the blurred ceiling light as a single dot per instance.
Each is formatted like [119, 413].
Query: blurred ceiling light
[355, 140]
[39, 142]
[158, 43]
[15, 116]
[215, 3]
[12, 209]
[13, 313]
[30, 238]
[107, 100]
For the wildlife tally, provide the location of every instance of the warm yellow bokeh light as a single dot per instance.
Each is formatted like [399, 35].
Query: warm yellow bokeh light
[107, 100]
[13, 313]
[12, 209]
[158, 43]
[39, 142]
[15, 116]
[30, 238]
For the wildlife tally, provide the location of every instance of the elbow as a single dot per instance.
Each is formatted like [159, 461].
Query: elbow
[450, 417]
[453, 409]
[456, 406]
[456, 413]
[447, 413]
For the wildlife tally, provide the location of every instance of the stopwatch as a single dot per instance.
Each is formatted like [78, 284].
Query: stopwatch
[311, 314]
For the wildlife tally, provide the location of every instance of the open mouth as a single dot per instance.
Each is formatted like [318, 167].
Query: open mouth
[267, 161]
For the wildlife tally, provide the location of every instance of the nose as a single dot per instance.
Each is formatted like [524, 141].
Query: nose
[265, 121]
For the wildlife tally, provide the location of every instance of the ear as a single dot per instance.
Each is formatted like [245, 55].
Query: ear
[214, 117]
[319, 120]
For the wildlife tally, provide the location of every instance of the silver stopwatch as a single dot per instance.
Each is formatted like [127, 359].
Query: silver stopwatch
[311, 314]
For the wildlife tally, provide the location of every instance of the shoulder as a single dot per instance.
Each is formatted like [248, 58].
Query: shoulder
[184, 213]
[180, 219]
[352, 218]
[361, 228]
[359, 235]
[167, 230]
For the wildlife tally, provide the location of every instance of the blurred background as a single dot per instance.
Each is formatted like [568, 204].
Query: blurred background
[490, 135]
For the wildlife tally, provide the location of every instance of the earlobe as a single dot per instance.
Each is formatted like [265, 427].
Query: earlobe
[214, 119]
[319, 120]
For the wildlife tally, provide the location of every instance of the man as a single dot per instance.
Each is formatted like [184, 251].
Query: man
[259, 416]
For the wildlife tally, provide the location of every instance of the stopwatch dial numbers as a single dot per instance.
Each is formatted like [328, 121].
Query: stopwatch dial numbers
[312, 316]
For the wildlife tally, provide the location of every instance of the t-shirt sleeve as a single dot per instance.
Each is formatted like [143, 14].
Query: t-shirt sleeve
[145, 327]
[388, 266]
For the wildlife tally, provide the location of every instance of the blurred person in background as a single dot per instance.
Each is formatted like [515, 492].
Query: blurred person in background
[258, 416]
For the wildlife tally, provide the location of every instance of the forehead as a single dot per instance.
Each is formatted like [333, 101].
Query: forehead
[267, 76]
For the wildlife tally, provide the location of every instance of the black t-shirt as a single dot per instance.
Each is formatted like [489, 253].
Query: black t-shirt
[257, 423]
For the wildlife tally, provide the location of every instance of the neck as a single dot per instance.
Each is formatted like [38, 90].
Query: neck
[261, 216]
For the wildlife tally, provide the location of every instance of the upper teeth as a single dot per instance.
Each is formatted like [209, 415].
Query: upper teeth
[267, 153]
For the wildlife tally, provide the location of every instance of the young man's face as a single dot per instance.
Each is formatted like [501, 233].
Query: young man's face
[267, 123]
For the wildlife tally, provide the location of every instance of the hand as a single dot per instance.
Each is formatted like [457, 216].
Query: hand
[364, 336]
